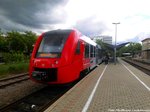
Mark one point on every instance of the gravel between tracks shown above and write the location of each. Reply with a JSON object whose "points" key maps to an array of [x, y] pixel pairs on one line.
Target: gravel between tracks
{"points": [[17, 91]]}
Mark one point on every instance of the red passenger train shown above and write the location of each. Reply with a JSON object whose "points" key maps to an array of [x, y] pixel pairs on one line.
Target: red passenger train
{"points": [[59, 56]]}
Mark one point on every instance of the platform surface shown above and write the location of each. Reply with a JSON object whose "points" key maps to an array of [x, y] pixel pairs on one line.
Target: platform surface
{"points": [[108, 88]]}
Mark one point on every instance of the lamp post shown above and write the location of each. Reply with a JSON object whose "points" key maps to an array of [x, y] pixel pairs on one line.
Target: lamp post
{"points": [[115, 41]]}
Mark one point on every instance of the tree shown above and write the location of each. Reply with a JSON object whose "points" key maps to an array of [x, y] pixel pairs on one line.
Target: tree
{"points": [[29, 39], [132, 48], [99, 42], [3, 43], [15, 42], [105, 47], [14, 45]]}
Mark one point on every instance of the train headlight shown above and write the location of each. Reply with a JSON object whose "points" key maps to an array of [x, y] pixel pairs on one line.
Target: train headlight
{"points": [[56, 62]]}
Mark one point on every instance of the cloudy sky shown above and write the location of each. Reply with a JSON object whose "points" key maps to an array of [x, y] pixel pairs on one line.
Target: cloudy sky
{"points": [[91, 17]]}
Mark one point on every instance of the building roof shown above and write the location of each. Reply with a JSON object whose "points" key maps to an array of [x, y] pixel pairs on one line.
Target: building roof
{"points": [[146, 39], [111, 47]]}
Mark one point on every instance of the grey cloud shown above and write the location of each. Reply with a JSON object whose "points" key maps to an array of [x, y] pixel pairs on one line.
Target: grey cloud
{"points": [[90, 27], [35, 14]]}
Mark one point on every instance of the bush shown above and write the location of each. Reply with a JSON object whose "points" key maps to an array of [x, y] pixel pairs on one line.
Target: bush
{"points": [[18, 68], [15, 68], [13, 57]]}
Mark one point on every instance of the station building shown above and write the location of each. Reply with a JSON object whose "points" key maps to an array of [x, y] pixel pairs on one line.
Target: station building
{"points": [[104, 38], [146, 48], [107, 39]]}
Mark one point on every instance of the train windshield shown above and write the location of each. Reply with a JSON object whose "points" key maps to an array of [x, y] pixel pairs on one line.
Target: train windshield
{"points": [[51, 45]]}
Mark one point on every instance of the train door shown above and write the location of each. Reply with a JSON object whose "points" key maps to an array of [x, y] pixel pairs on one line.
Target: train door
{"points": [[86, 58], [92, 56], [78, 57]]}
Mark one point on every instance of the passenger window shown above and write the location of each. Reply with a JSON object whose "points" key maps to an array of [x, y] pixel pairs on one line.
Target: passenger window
{"points": [[78, 48], [94, 52], [86, 50], [91, 51]]}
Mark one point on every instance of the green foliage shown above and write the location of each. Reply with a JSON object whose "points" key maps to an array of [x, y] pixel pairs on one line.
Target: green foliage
{"points": [[16, 46], [14, 57], [15, 42], [99, 42], [18, 68], [3, 42], [29, 39], [132, 48], [15, 68], [104, 47]]}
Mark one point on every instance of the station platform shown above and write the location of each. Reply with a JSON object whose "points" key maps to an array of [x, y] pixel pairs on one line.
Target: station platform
{"points": [[108, 88]]}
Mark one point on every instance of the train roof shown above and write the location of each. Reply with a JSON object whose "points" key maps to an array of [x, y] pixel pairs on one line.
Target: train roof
{"points": [[59, 31], [68, 31], [88, 40]]}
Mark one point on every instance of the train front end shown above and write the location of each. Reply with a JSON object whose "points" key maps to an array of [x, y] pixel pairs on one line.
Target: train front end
{"points": [[50, 58]]}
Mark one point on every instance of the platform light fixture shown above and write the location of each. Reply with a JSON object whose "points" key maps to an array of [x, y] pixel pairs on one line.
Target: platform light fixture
{"points": [[115, 41]]}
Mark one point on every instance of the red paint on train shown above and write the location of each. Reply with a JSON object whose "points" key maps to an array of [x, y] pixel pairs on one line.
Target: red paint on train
{"points": [[60, 56]]}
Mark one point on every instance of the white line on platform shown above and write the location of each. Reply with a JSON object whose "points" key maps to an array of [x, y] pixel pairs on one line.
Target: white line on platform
{"points": [[136, 77], [86, 106]]}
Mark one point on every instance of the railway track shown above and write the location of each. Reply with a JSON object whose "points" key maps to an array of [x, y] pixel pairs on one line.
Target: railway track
{"points": [[141, 66], [38, 101], [41, 99], [13, 80]]}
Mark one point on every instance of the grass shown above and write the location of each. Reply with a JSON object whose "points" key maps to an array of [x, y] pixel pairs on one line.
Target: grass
{"points": [[13, 68]]}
